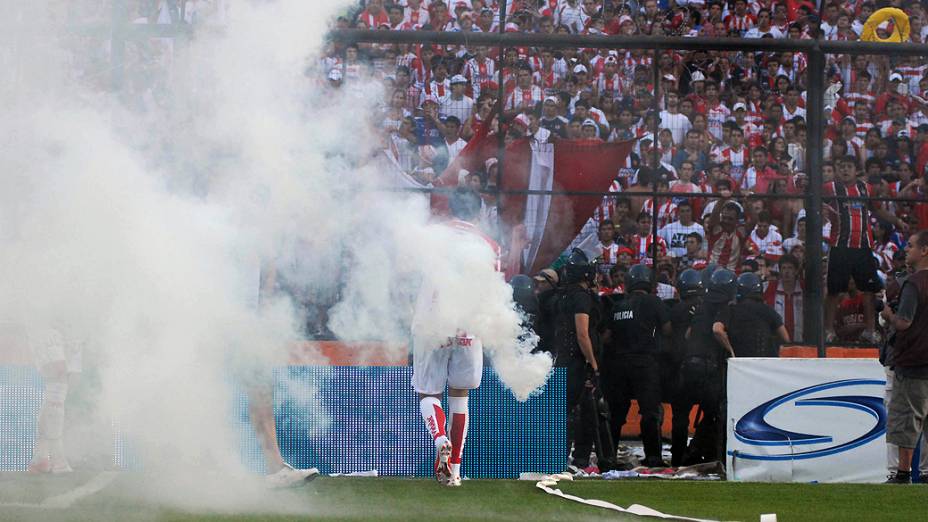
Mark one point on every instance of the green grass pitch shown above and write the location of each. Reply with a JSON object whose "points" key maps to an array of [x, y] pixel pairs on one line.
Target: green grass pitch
{"points": [[132, 497]]}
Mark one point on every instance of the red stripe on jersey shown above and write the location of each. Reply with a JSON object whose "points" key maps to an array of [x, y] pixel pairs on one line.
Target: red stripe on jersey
{"points": [[470, 228]]}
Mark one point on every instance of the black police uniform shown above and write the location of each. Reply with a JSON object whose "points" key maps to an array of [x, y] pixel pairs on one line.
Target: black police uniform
{"points": [[681, 318], [545, 321], [702, 375], [751, 326], [630, 366], [575, 299]]}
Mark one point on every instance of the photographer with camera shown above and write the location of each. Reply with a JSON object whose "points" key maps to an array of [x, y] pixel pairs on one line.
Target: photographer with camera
{"points": [[908, 356]]}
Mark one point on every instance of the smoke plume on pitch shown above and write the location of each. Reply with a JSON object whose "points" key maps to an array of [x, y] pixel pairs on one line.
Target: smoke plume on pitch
{"points": [[143, 230]]}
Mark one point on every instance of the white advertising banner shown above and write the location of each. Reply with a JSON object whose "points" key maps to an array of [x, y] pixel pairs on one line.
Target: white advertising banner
{"points": [[806, 420]]}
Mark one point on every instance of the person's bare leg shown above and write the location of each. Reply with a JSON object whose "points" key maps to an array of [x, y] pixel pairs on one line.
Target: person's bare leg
{"points": [[261, 412]]}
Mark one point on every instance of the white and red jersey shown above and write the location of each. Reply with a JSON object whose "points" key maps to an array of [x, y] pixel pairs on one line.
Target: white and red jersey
{"points": [[771, 244], [666, 213], [606, 208], [862, 129], [479, 74], [474, 231], [733, 22], [715, 117], [739, 160], [524, 98], [726, 248], [610, 87], [641, 244], [549, 79], [866, 98], [466, 234], [609, 254], [437, 89], [415, 17], [884, 254], [374, 21], [787, 305]]}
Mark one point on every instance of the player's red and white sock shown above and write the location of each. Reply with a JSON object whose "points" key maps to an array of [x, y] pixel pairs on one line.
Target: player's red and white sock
{"points": [[459, 421], [434, 417]]}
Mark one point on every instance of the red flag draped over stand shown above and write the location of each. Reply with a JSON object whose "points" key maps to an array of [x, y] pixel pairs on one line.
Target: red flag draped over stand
{"points": [[544, 225], [552, 222]]}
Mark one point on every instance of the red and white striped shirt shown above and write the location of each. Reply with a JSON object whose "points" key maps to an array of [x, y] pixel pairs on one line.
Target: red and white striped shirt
{"points": [[524, 97], [610, 87], [885, 253], [726, 248], [606, 208], [642, 246], [788, 306], [733, 22], [473, 230], [739, 159], [853, 98], [666, 213], [479, 74]]}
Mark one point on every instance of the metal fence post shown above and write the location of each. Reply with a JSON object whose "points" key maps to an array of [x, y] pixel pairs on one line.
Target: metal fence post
{"points": [[501, 136], [655, 210], [814, 305]]}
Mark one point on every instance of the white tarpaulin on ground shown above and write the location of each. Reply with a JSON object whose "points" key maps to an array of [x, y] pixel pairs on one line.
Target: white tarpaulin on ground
{"points": [[806, 420]]}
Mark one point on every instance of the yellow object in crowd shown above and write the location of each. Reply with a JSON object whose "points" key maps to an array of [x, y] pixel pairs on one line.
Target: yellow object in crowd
{"points": [[900, 26]]}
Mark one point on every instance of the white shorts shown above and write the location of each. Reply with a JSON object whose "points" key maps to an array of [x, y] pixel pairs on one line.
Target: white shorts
{"points": [[50, 347], [457, 366]]}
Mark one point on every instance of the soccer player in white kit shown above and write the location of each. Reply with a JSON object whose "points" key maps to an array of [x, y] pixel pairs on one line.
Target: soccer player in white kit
{"points": [[457, 364]]}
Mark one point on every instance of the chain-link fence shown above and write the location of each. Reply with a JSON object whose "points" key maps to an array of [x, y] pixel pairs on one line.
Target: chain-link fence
{"points": [[759, 155]]}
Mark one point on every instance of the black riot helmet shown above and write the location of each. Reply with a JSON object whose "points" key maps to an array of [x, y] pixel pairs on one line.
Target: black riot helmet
{"points": [[722, 286], [638, 278], [523, 292], [749, 285], [578, 268], [689, 283], [707, 273]]}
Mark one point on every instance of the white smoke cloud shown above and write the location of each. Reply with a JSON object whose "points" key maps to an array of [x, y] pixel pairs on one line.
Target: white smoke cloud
{"points": [[143, 231]]}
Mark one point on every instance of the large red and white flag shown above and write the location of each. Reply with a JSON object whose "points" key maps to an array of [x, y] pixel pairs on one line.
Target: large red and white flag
{"points": [[549, 222]]}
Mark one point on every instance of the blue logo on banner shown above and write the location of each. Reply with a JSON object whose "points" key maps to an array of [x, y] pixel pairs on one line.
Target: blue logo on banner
{"points": [[754, 430]]}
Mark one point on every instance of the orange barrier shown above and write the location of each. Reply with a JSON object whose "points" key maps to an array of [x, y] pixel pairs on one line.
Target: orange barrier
{"points": [[799, 352], [337, 353], [841, 352], [632, 426]]}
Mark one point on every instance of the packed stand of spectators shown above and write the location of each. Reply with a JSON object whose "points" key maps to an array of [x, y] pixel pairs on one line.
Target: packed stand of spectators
{"points": [[732, 124]]}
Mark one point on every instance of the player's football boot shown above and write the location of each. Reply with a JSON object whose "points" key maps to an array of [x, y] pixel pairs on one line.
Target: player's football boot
{"points": [[455, 481], [443, 464], [61, 467], [288, 477]]}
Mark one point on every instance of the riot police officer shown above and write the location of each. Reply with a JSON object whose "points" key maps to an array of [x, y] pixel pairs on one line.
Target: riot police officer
{"points": [[691, 288], [546, 294], [703, 369], [749, 326], [577, 343], [630, 360]]}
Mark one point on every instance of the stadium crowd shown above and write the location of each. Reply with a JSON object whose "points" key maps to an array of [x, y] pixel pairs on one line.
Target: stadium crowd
{"points": [[732, 124]]}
